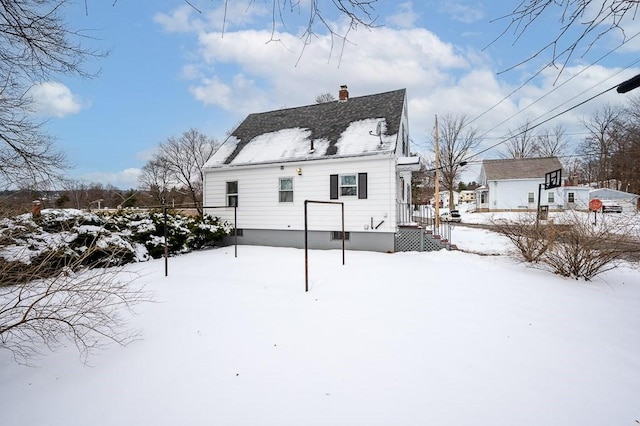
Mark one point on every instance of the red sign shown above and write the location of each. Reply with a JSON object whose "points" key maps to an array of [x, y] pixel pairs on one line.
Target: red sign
{"points": [[595, 204]]}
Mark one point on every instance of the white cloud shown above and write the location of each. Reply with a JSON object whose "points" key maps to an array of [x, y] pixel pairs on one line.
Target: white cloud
{"points": [[180, 20], [243, 72], [404, 17], [462, 12], [54, 99], [124, 179], [225, 17]]}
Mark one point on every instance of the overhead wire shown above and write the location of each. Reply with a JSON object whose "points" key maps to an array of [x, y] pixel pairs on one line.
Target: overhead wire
{"points": [[514, 91], [507, 138], [544, 121]]}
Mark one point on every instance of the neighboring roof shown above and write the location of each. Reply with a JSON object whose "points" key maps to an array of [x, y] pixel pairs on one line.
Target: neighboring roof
{"points": [[336, 129], [520, 168], [611, 194]]}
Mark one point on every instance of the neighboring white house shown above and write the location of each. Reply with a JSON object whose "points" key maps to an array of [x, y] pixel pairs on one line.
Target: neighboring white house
{"points": [[514, 184], [353, 150], [575, 197]]}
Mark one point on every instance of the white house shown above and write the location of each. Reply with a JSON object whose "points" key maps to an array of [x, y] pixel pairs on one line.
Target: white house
{"points": [[514, 184], [353, 151]]}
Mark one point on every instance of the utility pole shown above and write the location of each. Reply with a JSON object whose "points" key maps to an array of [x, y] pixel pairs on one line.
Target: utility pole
{"points": [[437, 182]]}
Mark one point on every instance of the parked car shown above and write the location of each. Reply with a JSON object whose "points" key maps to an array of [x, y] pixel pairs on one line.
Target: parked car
{"points": [[610, 207], [452, 216]]}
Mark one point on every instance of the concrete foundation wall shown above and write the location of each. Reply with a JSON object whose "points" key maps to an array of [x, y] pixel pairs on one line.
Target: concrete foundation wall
{"points": [[369, 241]]}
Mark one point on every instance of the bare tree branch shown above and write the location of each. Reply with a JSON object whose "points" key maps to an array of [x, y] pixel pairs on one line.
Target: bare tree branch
{"points": [[582, 24], [88, 308]]}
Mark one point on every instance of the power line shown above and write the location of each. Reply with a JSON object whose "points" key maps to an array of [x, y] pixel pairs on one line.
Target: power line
{"points": [[554, 89], [544, 121]]}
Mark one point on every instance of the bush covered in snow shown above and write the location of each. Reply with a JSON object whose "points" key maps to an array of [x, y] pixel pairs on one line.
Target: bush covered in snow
{"points": [[58, 237]]}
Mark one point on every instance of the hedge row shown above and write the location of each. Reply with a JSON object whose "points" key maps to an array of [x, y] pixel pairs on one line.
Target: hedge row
{"points": [[62, 237]]}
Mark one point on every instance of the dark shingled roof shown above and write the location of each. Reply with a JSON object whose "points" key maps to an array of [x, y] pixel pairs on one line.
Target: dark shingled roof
{"points": [[520, 168], [325, 121]]}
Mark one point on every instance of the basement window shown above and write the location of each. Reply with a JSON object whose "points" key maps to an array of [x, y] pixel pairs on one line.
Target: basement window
{"points": [[337, 235]]}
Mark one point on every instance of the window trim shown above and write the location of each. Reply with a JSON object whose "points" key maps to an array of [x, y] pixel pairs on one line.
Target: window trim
{"points": [[531, 197], [341, 186], [335, 187], [283, 191], [231, 195]]}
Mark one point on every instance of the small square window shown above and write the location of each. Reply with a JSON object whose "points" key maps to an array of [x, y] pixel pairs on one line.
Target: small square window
{"points": [[285, 190]]}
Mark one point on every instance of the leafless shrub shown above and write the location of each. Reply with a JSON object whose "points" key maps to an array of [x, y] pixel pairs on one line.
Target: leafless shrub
{"points": [[530, 239], [577, 247], [88, 308], [584, 249]]}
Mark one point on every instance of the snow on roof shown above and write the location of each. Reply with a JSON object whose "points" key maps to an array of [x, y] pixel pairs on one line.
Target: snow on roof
{"points": [[333, 129]]}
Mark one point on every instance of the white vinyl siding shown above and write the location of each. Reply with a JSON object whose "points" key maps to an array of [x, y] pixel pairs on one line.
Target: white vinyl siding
{"points": [[261, 209]]}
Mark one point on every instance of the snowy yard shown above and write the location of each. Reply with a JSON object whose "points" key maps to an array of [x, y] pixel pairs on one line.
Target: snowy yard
{"points": [[440, 338]]}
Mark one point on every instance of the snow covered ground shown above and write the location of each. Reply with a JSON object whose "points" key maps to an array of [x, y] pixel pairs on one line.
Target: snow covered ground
{"points": [[440, 338]]}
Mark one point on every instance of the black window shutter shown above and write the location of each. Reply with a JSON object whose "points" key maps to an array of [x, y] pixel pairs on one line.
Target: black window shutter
{"points": [[333, 187], [362, 186]]}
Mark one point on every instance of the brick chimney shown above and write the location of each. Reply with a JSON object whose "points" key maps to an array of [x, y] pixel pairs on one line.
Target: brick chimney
{"points": [[343, 94]]}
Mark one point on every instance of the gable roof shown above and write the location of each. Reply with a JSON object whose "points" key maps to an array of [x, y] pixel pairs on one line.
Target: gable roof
{"points": [[332, 129], [520, 168]]}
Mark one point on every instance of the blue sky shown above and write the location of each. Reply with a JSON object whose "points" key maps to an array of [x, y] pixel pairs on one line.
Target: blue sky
{"points": [[171, 68]]}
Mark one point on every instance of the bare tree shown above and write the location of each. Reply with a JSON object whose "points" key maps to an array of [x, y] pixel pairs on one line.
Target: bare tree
{"points": [[358, 13], [552, 143], [87, 307], [324, 98], [180, 161], [522, 142], [36, 44], [156, 178], [604, 128], [456, 142], [583, 23]]}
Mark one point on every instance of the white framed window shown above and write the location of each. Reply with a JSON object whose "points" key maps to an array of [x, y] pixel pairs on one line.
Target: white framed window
{"points": [[571, 197], [550, 197], [531, 198], [285, 190], [348, 185], [232, 193]]}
